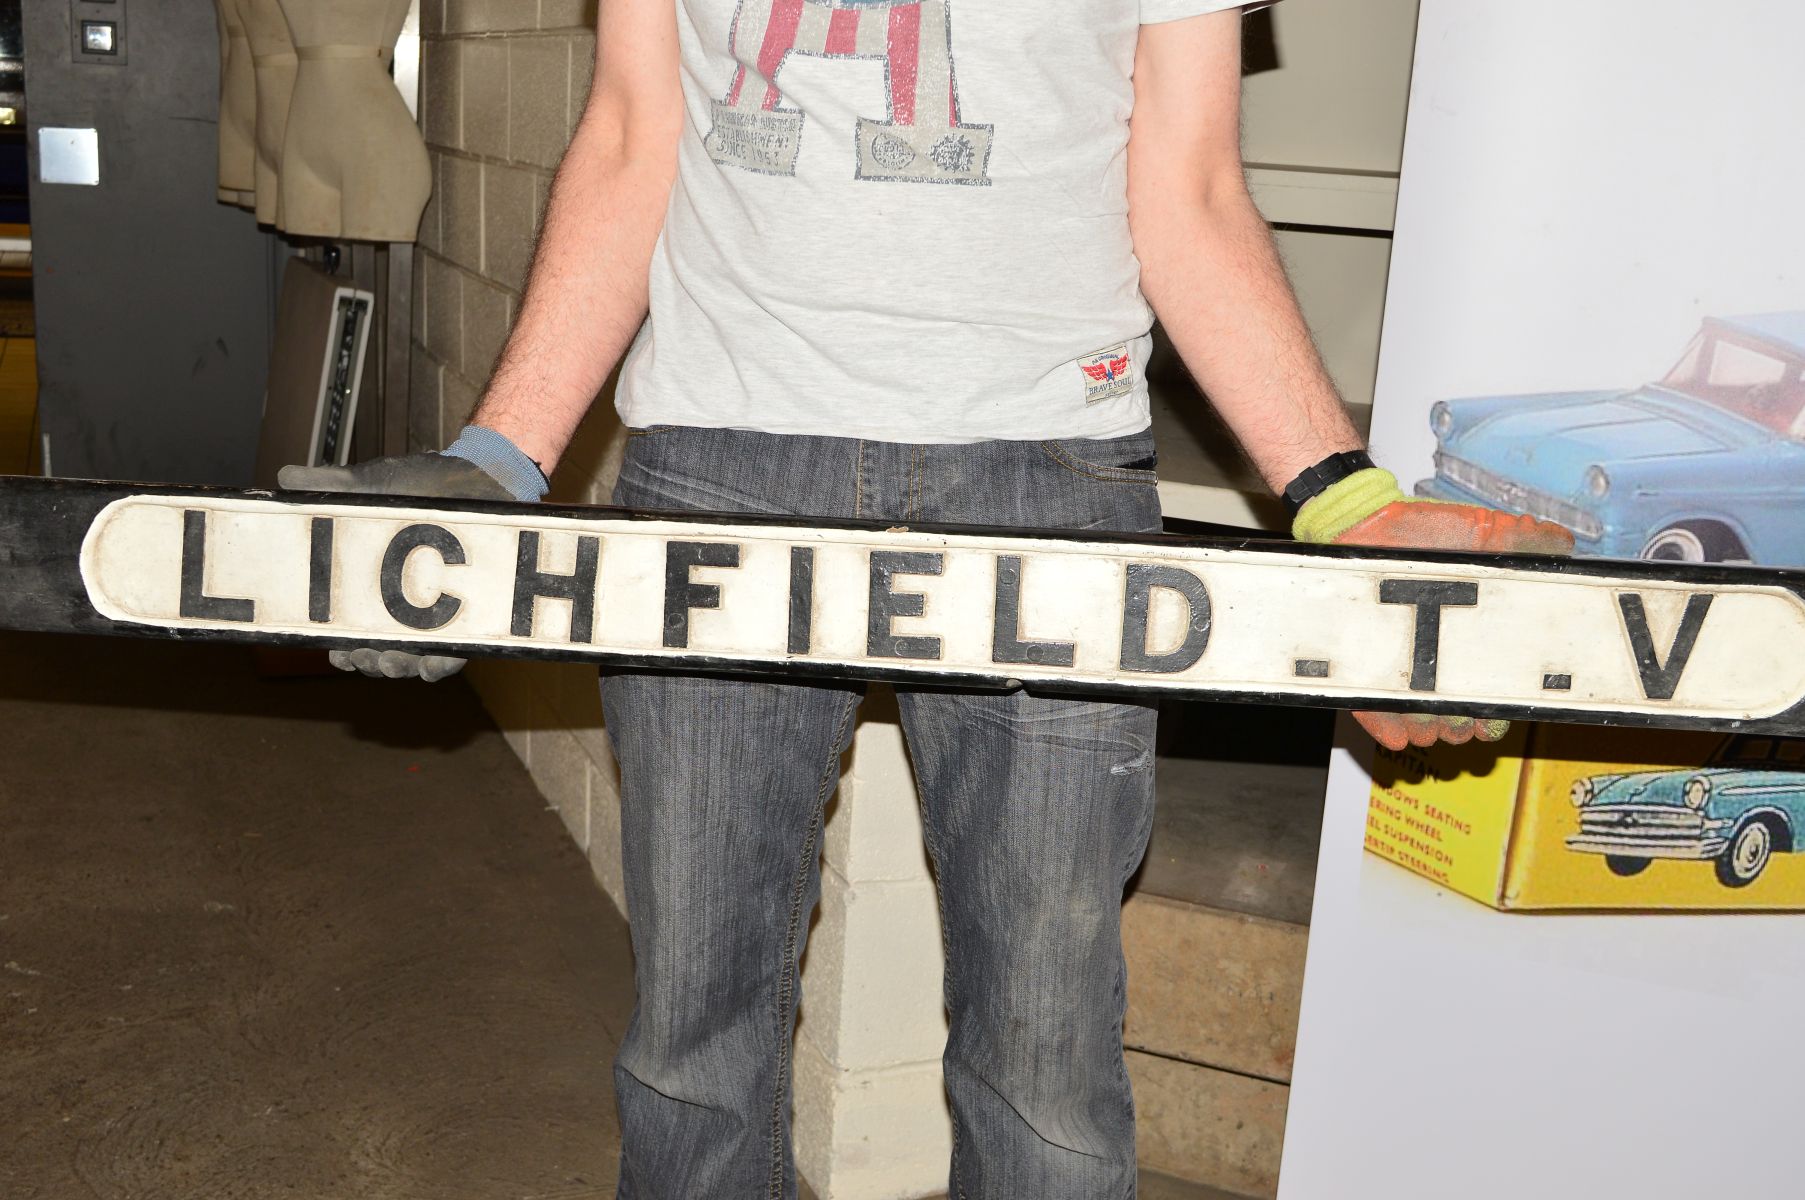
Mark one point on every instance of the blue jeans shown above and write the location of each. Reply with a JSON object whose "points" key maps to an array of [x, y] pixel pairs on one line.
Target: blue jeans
{"points": [[1037, 810]]}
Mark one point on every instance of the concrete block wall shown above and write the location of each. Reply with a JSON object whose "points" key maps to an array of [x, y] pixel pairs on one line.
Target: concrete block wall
{"points": [[871, 1116], [502, 85]]}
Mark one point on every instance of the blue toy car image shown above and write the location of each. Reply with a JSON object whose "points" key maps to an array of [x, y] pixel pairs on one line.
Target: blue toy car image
{"points": [[1746, 805], [1706, 464]]}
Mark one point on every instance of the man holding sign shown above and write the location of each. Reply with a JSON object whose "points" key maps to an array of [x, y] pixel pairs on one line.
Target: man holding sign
{"points": [[851, 282]]}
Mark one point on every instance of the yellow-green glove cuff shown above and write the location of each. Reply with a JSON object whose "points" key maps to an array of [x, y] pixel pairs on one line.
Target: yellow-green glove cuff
{"points": [[1344, 504]]}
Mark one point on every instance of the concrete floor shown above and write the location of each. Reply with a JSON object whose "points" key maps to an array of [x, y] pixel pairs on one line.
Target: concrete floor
{"points": [[291, 938], [288, 938]]}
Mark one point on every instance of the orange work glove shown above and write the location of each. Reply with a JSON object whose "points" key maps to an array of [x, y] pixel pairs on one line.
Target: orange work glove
{"points": [[1368, 509]]}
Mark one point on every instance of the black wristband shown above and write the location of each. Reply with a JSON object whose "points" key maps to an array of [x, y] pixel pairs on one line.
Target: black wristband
{"points": [[1314, 481]]}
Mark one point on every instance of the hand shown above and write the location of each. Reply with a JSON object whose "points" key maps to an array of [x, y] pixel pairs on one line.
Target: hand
{"points": [[1433, 525], [1367, 509], [434, 475]]}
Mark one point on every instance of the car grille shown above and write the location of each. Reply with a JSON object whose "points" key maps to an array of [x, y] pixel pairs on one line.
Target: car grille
{"points": [[1649, 822], [1508, 494]]}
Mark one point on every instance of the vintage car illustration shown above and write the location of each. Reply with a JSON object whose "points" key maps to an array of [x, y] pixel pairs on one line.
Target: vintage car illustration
{"points": [[1744, 806], [1706, 464]]}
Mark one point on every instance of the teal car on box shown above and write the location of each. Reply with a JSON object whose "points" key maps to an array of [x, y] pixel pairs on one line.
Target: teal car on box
{"points": [[1706, 464], [1737, 811]]}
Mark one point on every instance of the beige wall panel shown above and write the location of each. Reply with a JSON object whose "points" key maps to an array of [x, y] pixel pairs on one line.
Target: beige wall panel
{"points": [[1340, 280], [1212, 987], [1338, 97], [1211, 1126]]}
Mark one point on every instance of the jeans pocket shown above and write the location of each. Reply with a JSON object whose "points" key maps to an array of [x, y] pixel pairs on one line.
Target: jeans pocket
{"points": [[1130, 459]]}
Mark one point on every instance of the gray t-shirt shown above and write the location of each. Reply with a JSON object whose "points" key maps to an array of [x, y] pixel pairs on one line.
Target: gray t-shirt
{"points": [[904, 222]]}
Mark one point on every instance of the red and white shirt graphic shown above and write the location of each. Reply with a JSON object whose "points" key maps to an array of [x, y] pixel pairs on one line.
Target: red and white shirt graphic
{"points": [[920, 137]]}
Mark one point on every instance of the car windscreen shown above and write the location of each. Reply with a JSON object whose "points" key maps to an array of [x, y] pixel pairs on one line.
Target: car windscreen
{"points": [[1745, 378]]}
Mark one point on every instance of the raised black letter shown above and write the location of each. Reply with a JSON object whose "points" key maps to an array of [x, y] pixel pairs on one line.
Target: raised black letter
{"points": [[195, 602], [1429, 596], [319, 572], [802, 598], [886, 565], [1137, 609], [1661, 679], [1006, 645], [394, 565], [530, 583], [680, 594]]}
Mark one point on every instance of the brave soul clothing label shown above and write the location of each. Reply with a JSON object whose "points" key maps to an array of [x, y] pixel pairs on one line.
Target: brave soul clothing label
{"points": [[955, 606], [1107, 373], [871, 193]]}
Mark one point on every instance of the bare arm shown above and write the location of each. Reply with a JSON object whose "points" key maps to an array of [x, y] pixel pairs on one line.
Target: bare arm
{"points": [[586, 293], [1208, 266]]}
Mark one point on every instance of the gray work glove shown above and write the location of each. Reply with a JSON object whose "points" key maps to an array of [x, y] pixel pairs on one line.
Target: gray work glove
{"points": [[437, 475]]}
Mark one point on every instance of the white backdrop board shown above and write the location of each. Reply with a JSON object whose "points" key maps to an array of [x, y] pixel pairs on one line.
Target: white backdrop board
{"points": [[1583, 185]]}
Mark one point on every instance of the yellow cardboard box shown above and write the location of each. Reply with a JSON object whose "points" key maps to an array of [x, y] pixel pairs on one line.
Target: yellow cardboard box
{"points": [[1572, 817]]}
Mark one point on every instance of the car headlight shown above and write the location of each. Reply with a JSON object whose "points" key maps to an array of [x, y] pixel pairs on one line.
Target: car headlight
{"points": [[1441, 419], [1698, 790], [1582, 792], [1598, 482]]}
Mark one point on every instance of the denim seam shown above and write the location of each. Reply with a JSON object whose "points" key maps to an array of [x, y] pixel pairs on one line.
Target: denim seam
{"points": [[786, 988], [909, 493], [1120, 996], [1092, 471], [858, 479], [1119, 993], [932, 843], [915, 453]]}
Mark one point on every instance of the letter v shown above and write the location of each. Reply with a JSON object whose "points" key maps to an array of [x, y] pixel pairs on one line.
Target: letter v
{"points": [[1661, 679]]}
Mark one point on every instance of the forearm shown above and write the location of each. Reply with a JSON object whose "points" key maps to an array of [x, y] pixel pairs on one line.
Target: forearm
{"points": [[1212, 274], [585, 295]]}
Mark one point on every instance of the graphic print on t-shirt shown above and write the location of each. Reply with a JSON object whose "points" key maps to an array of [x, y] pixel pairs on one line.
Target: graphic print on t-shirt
{"points": [[923, 141]]}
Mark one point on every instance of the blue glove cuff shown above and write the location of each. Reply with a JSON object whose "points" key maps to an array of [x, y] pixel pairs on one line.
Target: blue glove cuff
{"points": [[502, 459]]}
